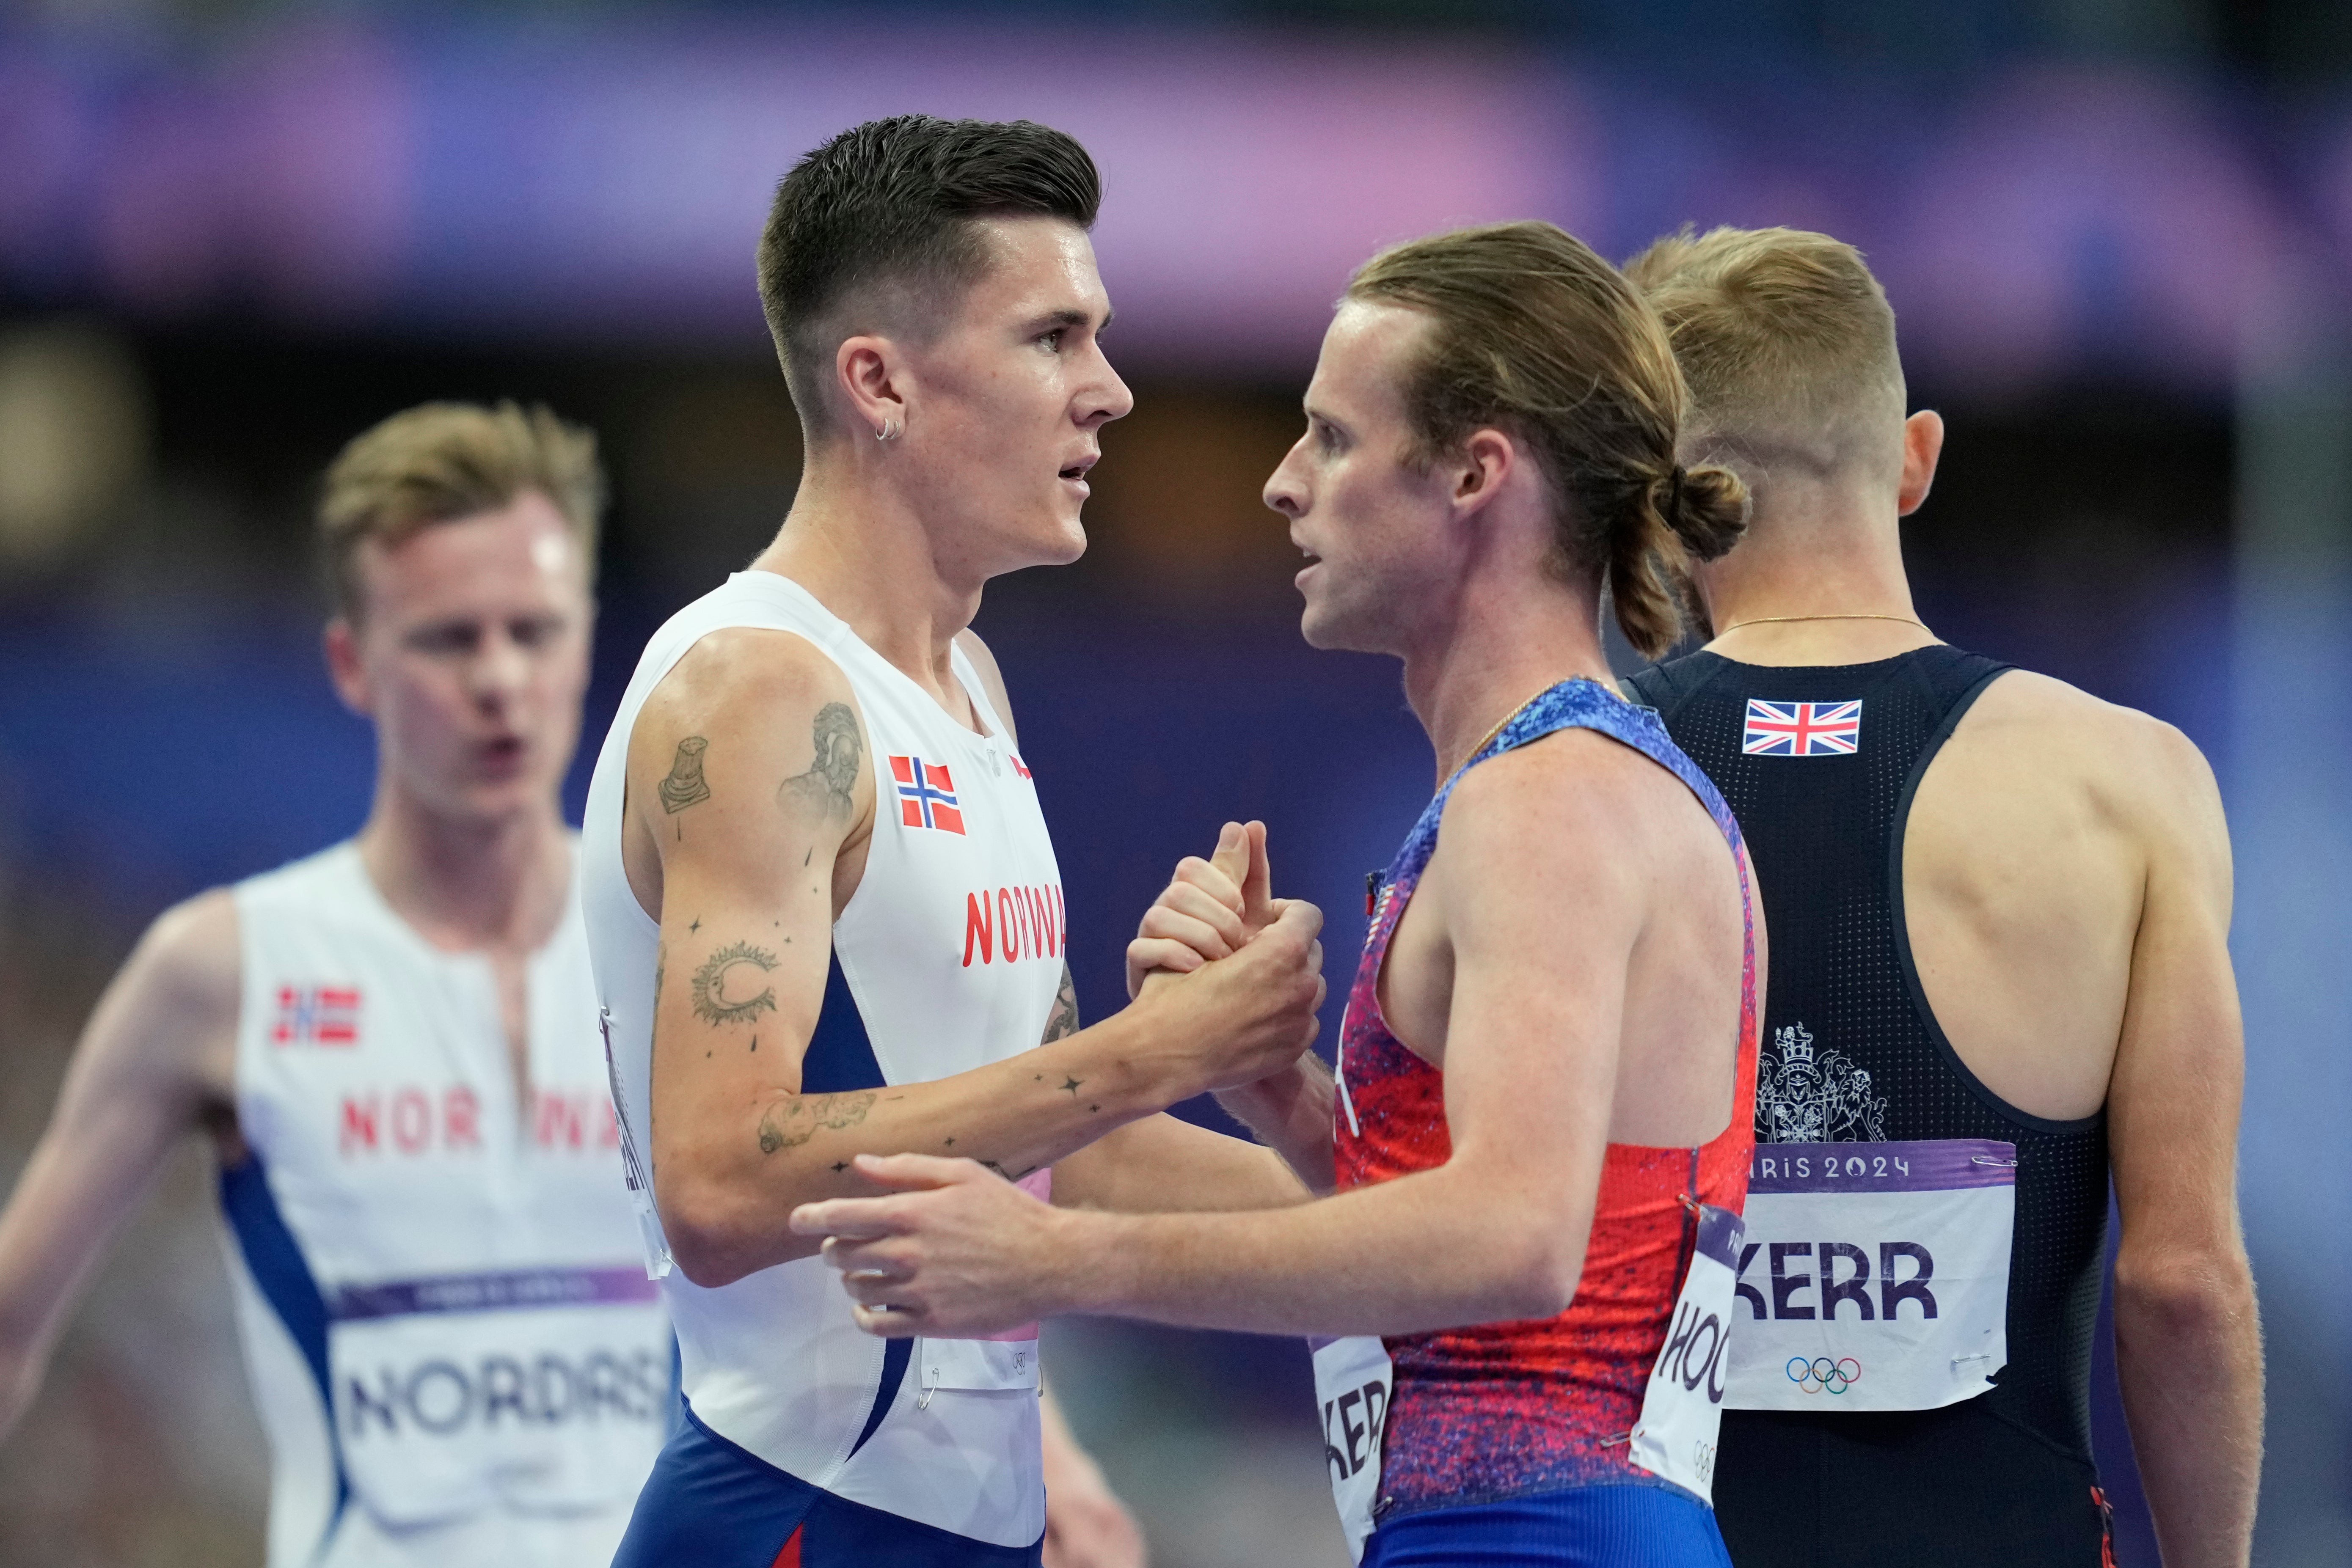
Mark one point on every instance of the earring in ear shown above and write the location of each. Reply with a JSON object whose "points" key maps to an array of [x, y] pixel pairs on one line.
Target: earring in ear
{"points": [[889, 431]]}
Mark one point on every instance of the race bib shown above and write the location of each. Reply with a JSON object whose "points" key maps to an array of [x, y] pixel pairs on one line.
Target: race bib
{"points": [[1876, 1276], [984, 1363], [1353, 1380], [1682, 1409], [462, 1393]]}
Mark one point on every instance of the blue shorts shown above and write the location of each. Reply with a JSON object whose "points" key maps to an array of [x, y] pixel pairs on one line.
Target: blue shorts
{"points": [[711, 1504], [1580, 1527]]}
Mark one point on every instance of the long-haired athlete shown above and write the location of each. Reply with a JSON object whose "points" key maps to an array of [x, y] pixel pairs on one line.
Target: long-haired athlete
{"points": [[1539, 1137]]}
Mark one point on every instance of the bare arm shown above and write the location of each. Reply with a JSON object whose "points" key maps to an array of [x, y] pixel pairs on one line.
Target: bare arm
{"points": [[154, 1059], [2187, 1340], [1541, 938], [1162, 1165], [753, 869], [1086, 1524]]}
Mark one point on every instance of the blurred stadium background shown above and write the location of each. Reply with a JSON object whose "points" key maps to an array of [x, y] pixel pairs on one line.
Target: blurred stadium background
{"points": [[233, 233]]}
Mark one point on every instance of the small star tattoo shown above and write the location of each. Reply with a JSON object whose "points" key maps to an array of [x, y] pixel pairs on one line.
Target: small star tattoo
{"points": [[697, 926], [840, 1166], [1071, 1087]]}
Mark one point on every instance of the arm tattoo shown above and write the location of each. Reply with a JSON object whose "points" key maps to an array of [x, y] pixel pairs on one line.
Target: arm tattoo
{"points": [[829, 787], [795, 1122], [685, 785], [725, 971], [1063, 1021]]}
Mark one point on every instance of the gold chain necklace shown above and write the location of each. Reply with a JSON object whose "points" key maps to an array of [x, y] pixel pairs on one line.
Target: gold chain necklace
{"points": [[1854, 615], [1489, 738]]}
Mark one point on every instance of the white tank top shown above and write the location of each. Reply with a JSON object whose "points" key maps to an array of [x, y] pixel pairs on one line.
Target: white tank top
{"points": [[456, 1357], [947, 958]]}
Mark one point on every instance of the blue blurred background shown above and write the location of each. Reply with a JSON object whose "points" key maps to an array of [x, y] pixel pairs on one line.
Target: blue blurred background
{"points": [[233, 233]]}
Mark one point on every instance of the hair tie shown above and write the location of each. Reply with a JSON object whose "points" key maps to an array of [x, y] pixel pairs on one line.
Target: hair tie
{"points": [[1675, 496]]}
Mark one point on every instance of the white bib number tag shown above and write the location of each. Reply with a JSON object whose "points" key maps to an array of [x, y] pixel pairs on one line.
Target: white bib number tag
{"points": [[1353, 1381], [1876, 1275], [1681, 1410], [445, 1407]]}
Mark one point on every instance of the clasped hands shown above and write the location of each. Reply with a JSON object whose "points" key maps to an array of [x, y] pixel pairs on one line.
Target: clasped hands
{"points": [[952, 1249]]}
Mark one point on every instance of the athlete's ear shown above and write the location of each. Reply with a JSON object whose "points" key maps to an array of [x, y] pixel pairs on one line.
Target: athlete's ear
{"points": [[1923, 445], [1485, 462], [341, 642], [871, 374]]}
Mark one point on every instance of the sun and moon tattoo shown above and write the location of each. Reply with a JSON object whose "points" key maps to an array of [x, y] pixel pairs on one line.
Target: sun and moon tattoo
{"points": [[731, 987]]}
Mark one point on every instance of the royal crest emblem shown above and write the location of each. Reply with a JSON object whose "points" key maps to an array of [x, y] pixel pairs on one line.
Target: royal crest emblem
{"points": [[1804, 1099]]}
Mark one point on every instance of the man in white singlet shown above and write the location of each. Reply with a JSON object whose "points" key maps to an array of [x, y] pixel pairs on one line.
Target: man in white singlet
{"points": [[1535, 1147], [456, 1356], [824, 911], [394, 1045]]}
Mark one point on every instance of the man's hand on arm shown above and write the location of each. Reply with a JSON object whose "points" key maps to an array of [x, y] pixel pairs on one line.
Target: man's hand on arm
{"points": [[2188, 1339], [158, 1052], [748, 771], [1497, 1233]]}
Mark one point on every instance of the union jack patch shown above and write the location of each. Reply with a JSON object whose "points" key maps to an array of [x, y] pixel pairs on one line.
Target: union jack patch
{"points": [[1802, 730], [316, 1015]]}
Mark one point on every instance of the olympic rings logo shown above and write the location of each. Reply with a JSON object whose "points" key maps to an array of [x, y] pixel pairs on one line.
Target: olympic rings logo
{"points": [[1820, 1373]]}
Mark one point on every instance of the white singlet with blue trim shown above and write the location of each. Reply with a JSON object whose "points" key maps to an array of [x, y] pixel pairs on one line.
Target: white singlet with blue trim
{"points": [[948, 957], [458, 1360]]}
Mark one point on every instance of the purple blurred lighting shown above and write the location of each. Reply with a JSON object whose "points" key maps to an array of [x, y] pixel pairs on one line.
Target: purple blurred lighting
{"points": [[611, 180]]}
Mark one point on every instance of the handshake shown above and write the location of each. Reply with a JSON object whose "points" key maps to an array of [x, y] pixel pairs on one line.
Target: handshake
{"points": [[1246, 969], [1225, 981]]}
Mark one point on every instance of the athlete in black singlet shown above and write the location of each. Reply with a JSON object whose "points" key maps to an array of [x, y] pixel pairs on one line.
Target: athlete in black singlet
{"points": [[1998, 911], [1828, 828]]}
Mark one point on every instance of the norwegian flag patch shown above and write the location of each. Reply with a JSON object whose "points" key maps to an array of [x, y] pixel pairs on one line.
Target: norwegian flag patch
{"points": [[316, 1015], [927, 797], [1802, 730]]}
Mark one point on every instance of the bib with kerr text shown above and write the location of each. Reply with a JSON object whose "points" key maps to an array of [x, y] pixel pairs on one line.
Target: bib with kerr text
{"points": [[1875, 1276], [1353, 1381]]}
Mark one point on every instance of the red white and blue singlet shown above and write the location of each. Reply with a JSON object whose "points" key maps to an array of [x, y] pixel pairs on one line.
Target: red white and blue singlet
{"points": [[1508, 1410]]}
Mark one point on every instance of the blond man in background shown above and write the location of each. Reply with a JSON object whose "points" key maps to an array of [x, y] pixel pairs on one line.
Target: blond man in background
{"points": [[1999, 977], [393, 1044]]}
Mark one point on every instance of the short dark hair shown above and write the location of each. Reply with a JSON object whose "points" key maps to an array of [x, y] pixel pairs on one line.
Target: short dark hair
{"points": [[895, 201]]}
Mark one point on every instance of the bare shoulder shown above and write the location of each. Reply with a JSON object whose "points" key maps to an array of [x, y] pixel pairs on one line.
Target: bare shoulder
{"points": [[746, 702], [192, 958], [990, 678], [745, 677], [1558, 809], [171, 1014], [2140, 768]]}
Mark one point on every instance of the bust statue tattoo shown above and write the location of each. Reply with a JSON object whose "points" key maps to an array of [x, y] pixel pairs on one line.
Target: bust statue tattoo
{"points": [[829, 787]]}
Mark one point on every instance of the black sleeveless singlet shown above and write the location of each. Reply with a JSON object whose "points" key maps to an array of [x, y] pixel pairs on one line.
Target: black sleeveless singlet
{"points": [[2007, 1477]]}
